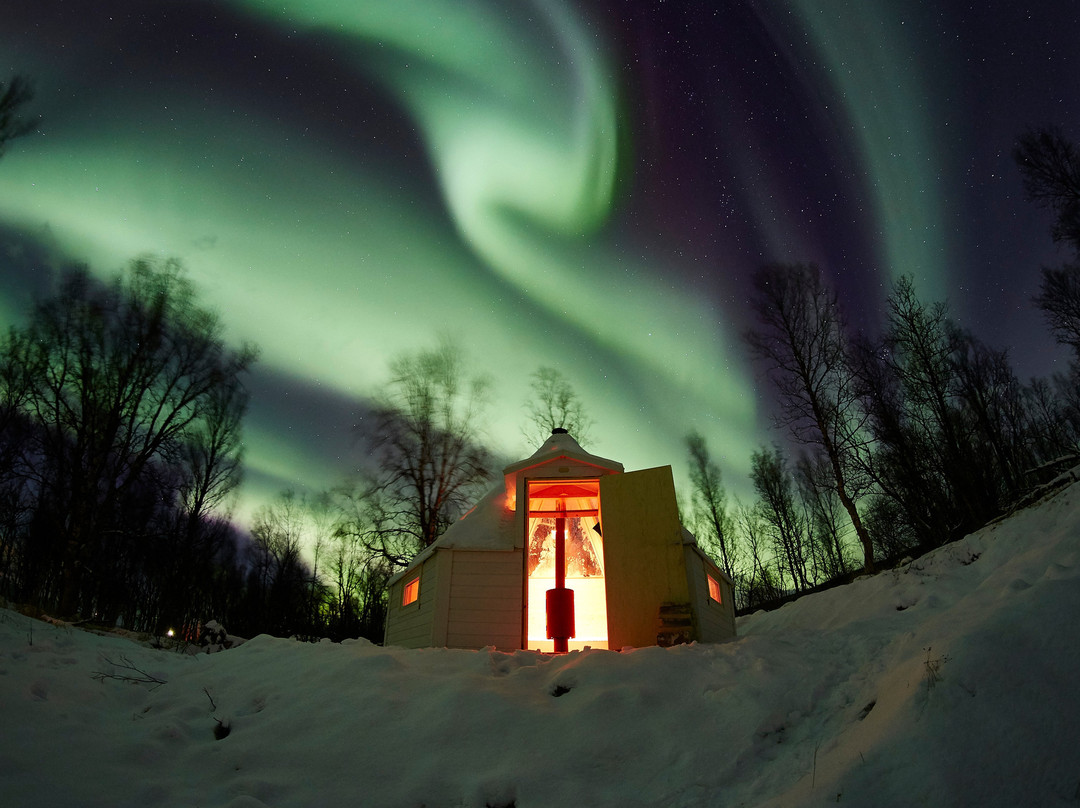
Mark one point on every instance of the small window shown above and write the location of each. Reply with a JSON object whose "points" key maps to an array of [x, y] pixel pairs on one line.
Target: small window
{"points": [[714, 589], [412, 591]]}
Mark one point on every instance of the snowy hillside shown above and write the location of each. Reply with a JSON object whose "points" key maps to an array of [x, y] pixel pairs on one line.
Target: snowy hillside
{"points": [[950, 682]]}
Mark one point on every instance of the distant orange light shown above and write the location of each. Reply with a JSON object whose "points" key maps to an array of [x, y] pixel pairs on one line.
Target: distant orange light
{"points": [[714, 588], [412, 591]]}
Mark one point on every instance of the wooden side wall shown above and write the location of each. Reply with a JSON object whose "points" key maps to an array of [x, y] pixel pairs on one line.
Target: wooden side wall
{"points": [[486, 599], [714, 622], [412, 626]]}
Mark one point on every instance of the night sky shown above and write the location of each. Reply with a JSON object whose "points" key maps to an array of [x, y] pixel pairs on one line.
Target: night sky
{"points": [[582, 185]]}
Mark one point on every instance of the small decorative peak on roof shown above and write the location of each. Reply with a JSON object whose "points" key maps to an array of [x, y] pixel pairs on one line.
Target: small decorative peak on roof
{"points": [[561, 444]]}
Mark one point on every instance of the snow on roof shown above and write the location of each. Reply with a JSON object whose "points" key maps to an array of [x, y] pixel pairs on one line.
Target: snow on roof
{"points": [[488, 525]]}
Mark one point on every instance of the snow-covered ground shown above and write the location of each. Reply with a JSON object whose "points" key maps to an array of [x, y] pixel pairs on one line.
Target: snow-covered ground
{"points": [[953, 681]]}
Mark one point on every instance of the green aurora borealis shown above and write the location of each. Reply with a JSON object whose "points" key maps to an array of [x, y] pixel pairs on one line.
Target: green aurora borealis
{"points": [[587, 186]]}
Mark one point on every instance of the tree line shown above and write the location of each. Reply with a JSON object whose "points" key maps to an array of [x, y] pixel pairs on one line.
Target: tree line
{"points": [[120, 414], [900, 442], [121, 445]]}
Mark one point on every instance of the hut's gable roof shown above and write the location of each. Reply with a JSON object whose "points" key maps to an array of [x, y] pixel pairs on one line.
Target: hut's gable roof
{"points": [[560, 445]]}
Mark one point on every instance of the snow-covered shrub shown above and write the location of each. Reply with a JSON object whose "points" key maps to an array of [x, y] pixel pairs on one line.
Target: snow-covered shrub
{"points": [[213, 637]]}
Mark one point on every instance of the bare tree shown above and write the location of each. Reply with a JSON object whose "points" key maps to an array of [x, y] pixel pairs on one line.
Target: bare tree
{"points": [[346, 564], [124, 375], [1050, 164], [803, 341], [1059, 300], [15, 375], [14, 96], [994, 417], [709, 502], [1052, 410], [554, 404], [279, 532], [778, 510], [902, 464], [425, 439], [756, 585], [824, 513], [920, 356], [209, 465], [16, 384], [893, 531], [213, 452]]}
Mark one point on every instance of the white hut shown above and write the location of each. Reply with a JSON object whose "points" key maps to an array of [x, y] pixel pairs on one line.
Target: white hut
{"points": [[568, 552]]}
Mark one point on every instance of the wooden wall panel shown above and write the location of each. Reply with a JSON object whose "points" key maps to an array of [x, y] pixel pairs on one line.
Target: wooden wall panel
{"points": [[644, 565], [411, 626], [486, 600]]}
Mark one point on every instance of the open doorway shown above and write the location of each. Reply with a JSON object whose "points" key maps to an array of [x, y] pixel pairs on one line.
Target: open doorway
{"points": [[562, 527]]}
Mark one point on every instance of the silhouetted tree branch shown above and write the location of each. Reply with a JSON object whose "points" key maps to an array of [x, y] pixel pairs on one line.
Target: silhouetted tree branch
{"points": [[14, 96], [424, 438], [1050, 164], [710, 502], [124, 379], [778, 512], [555, 404], [802, 339], [1059, 300]]}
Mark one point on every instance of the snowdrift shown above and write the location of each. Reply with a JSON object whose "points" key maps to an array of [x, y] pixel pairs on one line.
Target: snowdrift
{"points": [[950, 681]]}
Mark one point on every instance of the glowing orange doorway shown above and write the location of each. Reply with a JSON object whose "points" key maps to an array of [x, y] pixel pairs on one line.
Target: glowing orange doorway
{"points": [[569, 508]]}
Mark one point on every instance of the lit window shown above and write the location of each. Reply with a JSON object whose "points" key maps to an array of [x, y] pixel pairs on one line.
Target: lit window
{"points": [[714, 588], [412, 591]]}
